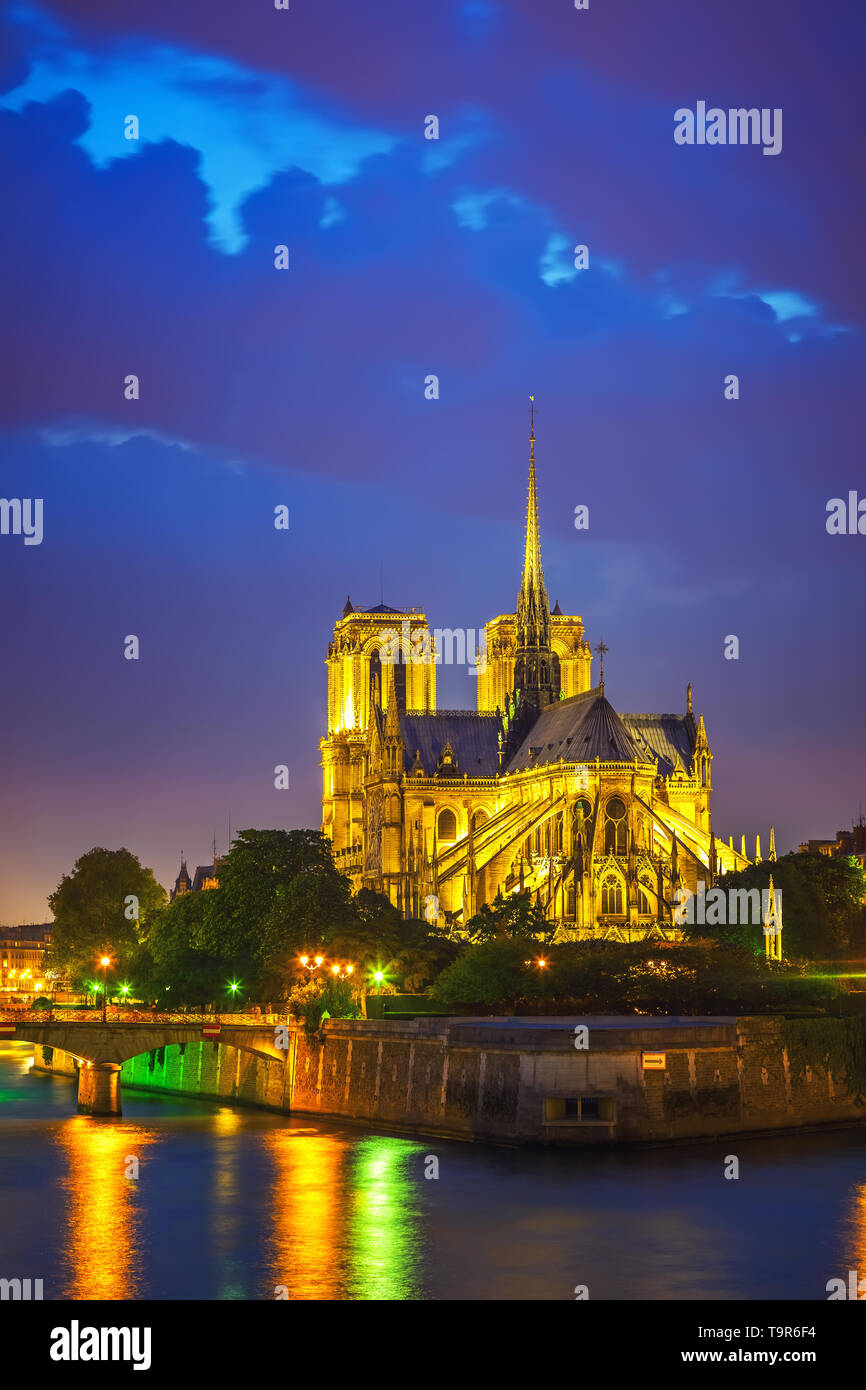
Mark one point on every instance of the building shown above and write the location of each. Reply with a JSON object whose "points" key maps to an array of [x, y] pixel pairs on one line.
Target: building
{"points": [[850, 843], [545, 788], [22, 959], [206, 876]]}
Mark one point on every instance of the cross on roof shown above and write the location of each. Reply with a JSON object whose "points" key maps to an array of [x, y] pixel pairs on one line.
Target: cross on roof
{"points": [[601, 649]]}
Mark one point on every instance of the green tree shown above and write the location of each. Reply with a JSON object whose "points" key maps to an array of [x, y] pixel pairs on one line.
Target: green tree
{"points": [[515, 916], [600, 977], [822, 906], [279, 895], [92, 907], [178, 957]]}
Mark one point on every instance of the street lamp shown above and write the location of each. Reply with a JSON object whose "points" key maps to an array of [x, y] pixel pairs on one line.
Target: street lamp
{"points": [[105, 961], [311, 965], [341, 972]]}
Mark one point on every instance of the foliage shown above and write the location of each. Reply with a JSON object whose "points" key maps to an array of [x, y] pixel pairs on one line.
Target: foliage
{"points": [[608, 978], [834, 1044], [176, 956], [515, 916], [89, 907], [822, 906], [278, 889], [313, 1000]]}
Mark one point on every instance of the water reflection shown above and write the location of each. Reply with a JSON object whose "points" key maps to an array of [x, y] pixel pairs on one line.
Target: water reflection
{"points": [[346, 1216], [308, 1196], [384, 1219], [103, 1218], [228, 1201]]}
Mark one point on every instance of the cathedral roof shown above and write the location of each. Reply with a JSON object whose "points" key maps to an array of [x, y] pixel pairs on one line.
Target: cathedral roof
{"points": [[667, 736], [474, 740], [203, 871], [578, 730], [586, 727]]}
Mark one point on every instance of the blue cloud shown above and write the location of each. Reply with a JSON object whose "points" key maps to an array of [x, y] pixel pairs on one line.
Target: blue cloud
{"points": [[245, 127]]}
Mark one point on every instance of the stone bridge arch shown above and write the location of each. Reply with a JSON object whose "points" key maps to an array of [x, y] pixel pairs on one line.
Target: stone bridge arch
{"points": [[101, 1050]]}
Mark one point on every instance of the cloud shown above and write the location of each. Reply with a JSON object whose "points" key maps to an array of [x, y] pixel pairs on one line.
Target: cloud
{"points": [[553, 269], [245, 126]]}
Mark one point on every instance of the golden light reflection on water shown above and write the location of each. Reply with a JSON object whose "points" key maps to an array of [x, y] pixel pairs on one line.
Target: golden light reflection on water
{"points": [[346, 1216], [856, 1233], [227, 1204], [308, 1200], [102, 1242]]}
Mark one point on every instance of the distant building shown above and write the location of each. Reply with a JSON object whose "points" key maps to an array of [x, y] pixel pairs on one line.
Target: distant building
{"points": [[851, 843], [22, 958], [206, 876]]}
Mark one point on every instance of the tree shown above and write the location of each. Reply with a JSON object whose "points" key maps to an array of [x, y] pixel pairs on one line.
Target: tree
{"points": [[515, 916], [494, 975], [370, 934], [601, 977], [104, 906], [279, 894], [177, 956], [822, 906]]}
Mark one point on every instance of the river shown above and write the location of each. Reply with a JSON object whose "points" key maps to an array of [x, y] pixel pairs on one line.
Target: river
{"points": [[188, 1199]]}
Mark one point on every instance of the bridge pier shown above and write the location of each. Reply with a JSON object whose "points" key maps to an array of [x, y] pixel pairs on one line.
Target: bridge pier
{"points": [[99, 1089]]}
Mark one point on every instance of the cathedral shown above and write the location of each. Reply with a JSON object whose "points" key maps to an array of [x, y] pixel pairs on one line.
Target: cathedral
{"points": [[545, 789]]}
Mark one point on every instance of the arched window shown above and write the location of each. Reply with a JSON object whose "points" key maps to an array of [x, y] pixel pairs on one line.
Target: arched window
{"points": [[703, 772], [446, 827], [580, 816], [644, 905], [479, 819], [611, 896], [614, 827]]}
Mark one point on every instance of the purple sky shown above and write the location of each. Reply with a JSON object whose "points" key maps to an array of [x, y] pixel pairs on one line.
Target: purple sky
{"points": [[306, 387]]}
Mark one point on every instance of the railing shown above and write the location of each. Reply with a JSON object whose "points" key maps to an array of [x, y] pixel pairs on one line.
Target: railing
{"points": [[61, 1015]]}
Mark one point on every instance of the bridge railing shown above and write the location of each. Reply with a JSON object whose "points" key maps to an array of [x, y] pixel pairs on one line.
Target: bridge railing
{"points": [[61, 1015]]}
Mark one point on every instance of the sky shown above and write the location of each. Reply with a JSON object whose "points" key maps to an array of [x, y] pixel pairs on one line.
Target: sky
{"points": [[305, 388]]}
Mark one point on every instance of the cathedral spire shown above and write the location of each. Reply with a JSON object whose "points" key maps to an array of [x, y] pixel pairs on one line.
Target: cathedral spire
{"points": [[536, 672], [533, 594]]}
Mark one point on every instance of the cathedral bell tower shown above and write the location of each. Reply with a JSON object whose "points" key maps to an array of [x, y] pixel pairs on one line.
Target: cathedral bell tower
{"points": [[536, 668]]}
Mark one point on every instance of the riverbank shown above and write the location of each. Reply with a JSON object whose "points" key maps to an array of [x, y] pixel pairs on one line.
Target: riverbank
{"points": [[554, 1081]]}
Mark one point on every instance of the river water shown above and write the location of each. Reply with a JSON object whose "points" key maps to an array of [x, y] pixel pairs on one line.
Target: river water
{"points": [[240, 1204]]}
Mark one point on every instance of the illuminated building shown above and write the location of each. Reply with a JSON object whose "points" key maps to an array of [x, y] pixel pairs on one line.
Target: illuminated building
{"points": [[206, 876], [22, 958], [546, 789]]}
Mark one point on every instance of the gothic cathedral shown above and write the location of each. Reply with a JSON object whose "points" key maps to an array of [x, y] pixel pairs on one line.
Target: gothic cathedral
{"points": [[546, 789]]}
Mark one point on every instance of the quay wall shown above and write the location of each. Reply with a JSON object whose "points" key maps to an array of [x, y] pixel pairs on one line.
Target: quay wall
{"points": [[504, 1081]]}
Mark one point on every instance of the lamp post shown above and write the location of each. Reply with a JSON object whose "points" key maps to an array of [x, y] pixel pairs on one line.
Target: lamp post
{"points": [[311, 965], [105, 961]]}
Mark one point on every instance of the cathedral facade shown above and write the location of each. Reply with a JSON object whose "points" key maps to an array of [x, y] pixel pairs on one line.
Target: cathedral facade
{"points": [[544, 789]]}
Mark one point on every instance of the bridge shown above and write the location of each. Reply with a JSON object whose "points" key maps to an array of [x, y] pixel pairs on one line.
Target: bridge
{"points": [[101, 1048]]}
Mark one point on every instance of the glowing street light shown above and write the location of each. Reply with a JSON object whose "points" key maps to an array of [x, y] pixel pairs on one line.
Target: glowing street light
{"points": [[105, 962], [311, 965]]}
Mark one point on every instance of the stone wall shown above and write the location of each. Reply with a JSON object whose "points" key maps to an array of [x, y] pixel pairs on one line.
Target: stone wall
{"points": [[506, 1081]]}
